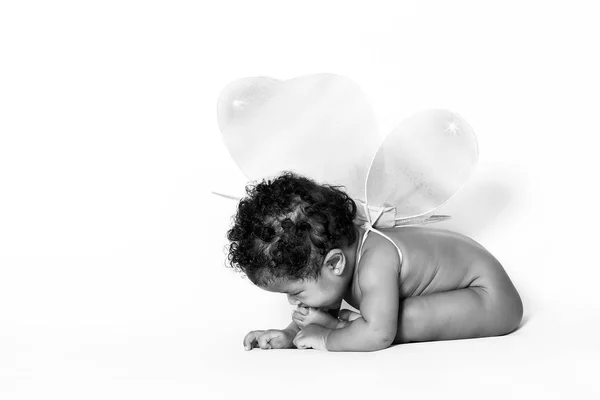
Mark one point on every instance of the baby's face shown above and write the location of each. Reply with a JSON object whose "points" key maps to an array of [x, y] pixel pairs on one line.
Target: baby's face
{"points": [[325, 292]]}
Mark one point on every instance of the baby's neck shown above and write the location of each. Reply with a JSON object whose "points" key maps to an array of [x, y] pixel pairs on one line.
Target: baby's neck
{"points": [[351, 253]]}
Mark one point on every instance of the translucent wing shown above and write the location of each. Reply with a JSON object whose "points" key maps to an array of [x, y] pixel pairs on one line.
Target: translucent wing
{"points": [[320, 126], [421, 164]]}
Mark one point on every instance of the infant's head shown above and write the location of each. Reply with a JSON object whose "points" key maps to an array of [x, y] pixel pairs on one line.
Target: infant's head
{"points": [[287, 237]]}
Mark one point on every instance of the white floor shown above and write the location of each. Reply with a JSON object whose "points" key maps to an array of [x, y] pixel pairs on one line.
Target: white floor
{"points": [[112, 276]]}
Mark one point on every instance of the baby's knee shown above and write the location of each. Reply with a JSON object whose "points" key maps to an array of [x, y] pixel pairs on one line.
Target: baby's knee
{"points": [[504, 304]]}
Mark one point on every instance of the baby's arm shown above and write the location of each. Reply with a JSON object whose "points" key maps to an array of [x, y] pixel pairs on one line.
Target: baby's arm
{"points": [[376, 327]]}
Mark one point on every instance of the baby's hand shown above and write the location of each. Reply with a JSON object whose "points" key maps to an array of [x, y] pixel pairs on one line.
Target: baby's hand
{"points": [[270, 339], [304, 316], [313, 337]]}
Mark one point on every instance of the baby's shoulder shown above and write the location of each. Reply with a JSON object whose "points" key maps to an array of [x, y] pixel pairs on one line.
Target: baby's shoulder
{"points": [[378, 253], [378, 263], [377, 246]]}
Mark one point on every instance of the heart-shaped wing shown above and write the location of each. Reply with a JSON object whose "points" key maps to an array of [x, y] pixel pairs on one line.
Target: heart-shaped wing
{"points": [[320, 126], [421, 164]]}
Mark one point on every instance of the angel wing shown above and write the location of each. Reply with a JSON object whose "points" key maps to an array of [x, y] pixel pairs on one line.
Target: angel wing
{"points": [[420, 165], [322, 126]]}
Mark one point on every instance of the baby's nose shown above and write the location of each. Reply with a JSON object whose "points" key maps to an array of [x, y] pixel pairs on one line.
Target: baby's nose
{"points": [[292, 300]]}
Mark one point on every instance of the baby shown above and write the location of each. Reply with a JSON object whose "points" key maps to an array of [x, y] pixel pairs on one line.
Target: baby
{"points": [[294, 236]]}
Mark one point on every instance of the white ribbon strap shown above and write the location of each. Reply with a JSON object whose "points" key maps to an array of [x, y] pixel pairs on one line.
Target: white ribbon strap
{"points": [[368, 227], [385, 217]]}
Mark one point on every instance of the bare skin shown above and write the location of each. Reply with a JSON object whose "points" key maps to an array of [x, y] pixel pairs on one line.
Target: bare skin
{"points": [[447, 287]]}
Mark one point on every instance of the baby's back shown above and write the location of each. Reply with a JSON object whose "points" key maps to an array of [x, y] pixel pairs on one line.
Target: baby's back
{"points": [[436, 260]]}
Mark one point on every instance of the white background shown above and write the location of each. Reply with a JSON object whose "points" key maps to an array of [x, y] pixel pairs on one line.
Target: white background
{"points": [[112, 276]]}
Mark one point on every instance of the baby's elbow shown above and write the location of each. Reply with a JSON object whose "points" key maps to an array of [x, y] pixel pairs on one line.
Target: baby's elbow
{"points": [[382, 339], [376, 344], [386, 341]]}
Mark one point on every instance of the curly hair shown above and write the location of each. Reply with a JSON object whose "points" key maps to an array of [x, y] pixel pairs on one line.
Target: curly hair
{"points": [[284, 228]]}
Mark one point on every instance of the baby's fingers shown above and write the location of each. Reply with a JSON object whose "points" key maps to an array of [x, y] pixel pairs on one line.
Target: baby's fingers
{"points": [[263, 341], [313, 311], [250, 339], [298, 316], [298, 321], [302, 310], [298, 342]]}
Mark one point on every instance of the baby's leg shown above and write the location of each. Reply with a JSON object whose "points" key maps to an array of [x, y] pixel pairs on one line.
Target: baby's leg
{"points": [[489, 307]]}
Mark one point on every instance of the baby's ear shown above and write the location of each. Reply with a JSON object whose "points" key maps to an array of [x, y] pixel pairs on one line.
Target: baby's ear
{"points": [[335, 261]]}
